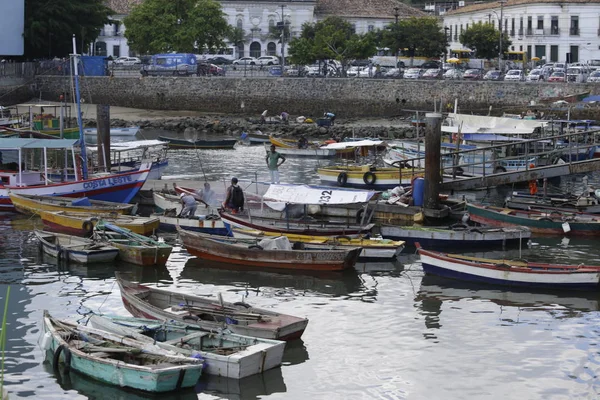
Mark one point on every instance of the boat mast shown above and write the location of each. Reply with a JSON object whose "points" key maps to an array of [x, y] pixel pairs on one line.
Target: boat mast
{"points": [[79, 119]]}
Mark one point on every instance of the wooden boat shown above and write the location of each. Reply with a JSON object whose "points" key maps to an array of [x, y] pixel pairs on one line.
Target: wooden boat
{"points": [[372, 247], [210, 224], [134, 248], [252, 138], [456, 237], [510, 273], [367, 176], [553, 222], [75, 249], [225, 354], [118, 360], [30, 204], [175, 143], [315, 152], [572, 204], [166, 201], [293, 226], [83, 225], [275, 252], [239, 318]]}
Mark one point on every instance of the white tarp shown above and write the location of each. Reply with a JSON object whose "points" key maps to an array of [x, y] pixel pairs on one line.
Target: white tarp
{"points": [[358, 143], [304, 194], [276, 243], [503, 123]]}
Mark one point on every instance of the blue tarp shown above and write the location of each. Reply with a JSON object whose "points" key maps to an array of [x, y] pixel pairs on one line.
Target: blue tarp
{"points": [[591, 98], [94, 65]]}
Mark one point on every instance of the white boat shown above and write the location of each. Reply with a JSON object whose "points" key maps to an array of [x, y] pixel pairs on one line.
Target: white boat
{"points": [[225, 354], [129, 131], [75, 249], [318, 152], [129, 155], [210, 224], [166, 201]]}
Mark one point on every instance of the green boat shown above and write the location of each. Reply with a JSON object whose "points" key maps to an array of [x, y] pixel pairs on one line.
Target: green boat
{"points": [[118, 360], [552, 222]]}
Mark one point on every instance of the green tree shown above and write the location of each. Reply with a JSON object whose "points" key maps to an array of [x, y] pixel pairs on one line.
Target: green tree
{"points": [[236, 36], [158, 26], [50, 25], [331, 39], [418, 37], [484, 40]]}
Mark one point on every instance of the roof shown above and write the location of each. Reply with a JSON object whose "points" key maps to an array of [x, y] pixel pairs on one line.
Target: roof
{"points": [[18, 143], [366, 9], [495, 5], [122, 6]]}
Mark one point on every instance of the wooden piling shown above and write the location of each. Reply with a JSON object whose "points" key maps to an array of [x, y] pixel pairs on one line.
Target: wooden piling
{"points": [[103, 135], [433, 140]]}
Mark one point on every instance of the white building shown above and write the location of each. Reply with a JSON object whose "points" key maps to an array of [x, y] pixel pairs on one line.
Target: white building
{"points": [[112, 41], [548, 29]]}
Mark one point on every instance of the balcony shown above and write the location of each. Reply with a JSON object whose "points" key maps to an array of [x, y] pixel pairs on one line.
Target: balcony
{"points": [[512, 32], [542, 32], [574, 31], [520, 32], [554, 31]]}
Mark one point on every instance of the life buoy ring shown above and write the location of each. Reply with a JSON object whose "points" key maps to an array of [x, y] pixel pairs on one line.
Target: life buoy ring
{"points": [[56, 358], [342, 179], [88, 228], [369, 178]]}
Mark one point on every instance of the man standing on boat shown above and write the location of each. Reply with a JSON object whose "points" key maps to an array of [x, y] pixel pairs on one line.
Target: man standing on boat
{"points": [[273, 163], [207, 195], [234, 199]]}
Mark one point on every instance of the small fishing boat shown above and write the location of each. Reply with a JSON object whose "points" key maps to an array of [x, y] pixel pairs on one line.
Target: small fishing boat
{"points": [[134, 248], [275, 252], [83, 225], [584, 204], [210, 224], [175, 143], [546, 222], [510, 273], [252, 138], [31, 204], [167, 201], [116, 359], [239, 318], [457, 236], [127, 131], [372, 247], [368, 177], [75, 249], [314, 152], [225, 354]]}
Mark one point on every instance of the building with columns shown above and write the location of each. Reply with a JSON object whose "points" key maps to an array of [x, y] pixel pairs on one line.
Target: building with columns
{"points": [[552, 30]]}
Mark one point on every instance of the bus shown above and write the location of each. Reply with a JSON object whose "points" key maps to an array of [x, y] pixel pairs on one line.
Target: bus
{"points": [[229, 52], [464, 55], [516, 59], [386, 58]]}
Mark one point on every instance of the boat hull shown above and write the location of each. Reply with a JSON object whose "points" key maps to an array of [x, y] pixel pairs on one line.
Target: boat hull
{"points": [[199, 144], [212, 227], [69, 252], [82, 225], [363, 178], [142, 255], [31, 205]]}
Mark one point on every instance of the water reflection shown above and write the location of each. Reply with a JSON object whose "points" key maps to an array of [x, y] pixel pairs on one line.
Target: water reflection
{"points": [[251, 387], [300, 283], [145, 274]]}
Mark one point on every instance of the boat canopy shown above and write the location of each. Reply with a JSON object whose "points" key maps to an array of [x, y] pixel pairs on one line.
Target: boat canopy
{"points": [[21, 143], [509, 125], [493, 131], [305, 194], [358, 143], [132, 145], [476, 137]]}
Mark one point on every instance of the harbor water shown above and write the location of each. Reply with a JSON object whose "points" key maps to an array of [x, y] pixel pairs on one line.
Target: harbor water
{"points": [[382, 330]]}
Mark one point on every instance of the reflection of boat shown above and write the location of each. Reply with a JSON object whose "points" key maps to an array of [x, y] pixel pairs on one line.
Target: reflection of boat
{"points": [[241, 318], [117, 360], [507, 272], [446, 289], [144, 274], [221, 274], [251, 387]]}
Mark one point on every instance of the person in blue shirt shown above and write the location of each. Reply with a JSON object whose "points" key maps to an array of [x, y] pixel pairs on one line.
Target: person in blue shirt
{"points": [[330, 116]]}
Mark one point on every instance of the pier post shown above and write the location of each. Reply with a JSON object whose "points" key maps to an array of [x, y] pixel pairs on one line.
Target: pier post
{"points": [[433, 140], [103, 135]]}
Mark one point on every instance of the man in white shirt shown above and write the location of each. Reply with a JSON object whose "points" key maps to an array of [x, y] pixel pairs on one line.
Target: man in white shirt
{"points": [[189, 205], [207, 195]]}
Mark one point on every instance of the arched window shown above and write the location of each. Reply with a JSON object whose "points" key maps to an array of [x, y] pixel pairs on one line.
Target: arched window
{"points": [[101, 49], [271, 49], [271, 22], [255, 50], [240, 23]]}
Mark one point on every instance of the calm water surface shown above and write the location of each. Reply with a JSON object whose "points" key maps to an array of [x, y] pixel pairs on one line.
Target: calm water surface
{"points": [[380, 331]]}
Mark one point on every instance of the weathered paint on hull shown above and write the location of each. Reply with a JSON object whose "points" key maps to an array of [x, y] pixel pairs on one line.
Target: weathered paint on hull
{"points": [[144, 256]]}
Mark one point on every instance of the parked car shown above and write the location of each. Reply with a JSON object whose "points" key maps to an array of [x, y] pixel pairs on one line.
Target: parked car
{"points": [[514, 75], [368, 72], [206, 69], [493, 75], [453, 73], [433, 73], [473, 74], [394, 73], [127, 61], [219, 61], [353, 71], [414, 73], [245, 61], [267, 60], [431, 65], [296, 70], [558, 76], [594, 76], [535, 75]]}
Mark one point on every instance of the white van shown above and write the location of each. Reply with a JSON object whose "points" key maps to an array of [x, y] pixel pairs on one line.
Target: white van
{"points": [[577, 74], [514, 75]]}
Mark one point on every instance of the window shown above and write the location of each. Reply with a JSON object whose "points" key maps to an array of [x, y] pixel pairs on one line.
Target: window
{"points": [[540, 51], [554, 53], [461, 30], [450, 33], [370, 28], [574, 25], [255, 49], [271, 49], [529, 23], [271, 22], [512, 27], [505, 25], [554, 25], [520, 48], [574, 54], [466, 26], [540, 22], [116, 50], [455, 32], [529, 52], [240, 23], [521, 27]]}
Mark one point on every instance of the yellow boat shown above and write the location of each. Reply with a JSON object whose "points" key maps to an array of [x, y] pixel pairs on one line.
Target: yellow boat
{"points": [[371, 247], [368, 177], [31, 204], [83, 224], [293, 144]]}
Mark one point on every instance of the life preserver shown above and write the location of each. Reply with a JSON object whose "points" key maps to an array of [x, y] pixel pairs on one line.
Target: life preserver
{"points": [[533, 187], [342, 179], [88, 228], [369, 178], [56, 358]]}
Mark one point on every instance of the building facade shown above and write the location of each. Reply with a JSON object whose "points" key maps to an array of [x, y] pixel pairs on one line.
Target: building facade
{"points": [[552, 30]]}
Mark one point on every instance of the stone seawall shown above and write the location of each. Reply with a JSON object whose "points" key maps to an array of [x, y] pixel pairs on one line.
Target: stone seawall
{"points": [[304, 96], [15, 91]]}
